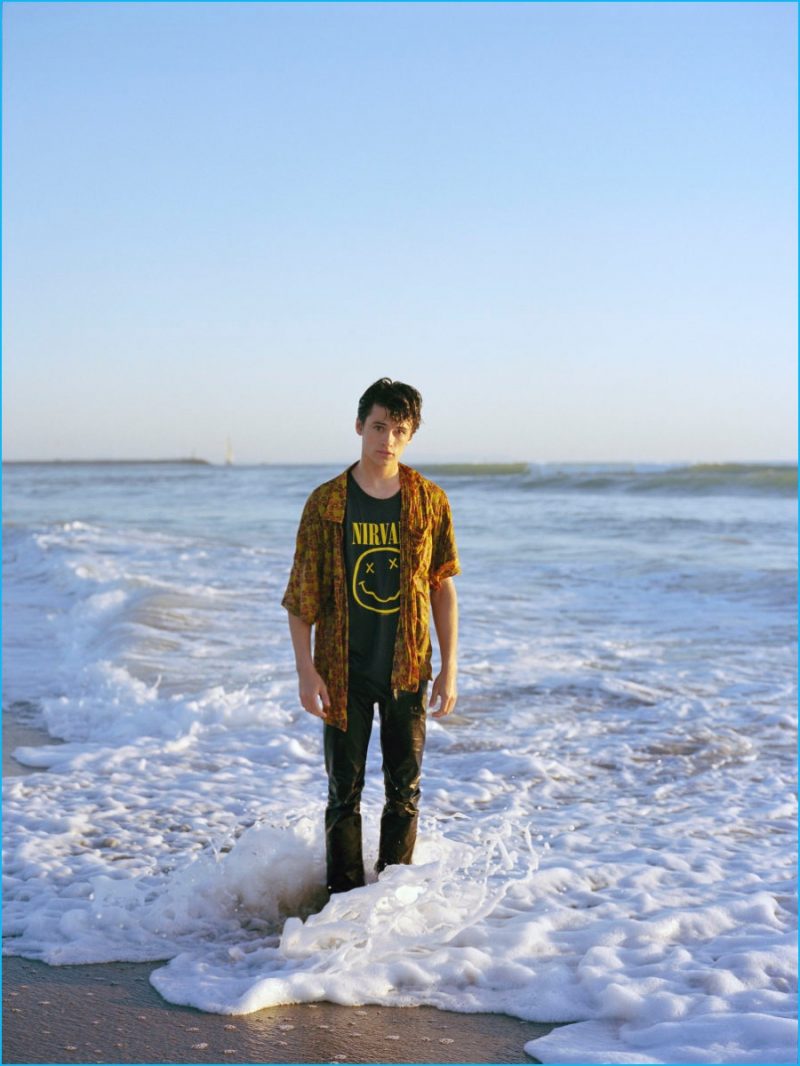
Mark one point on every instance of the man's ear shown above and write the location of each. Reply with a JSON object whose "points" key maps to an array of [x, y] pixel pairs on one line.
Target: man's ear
{"points": [[359, 427]]}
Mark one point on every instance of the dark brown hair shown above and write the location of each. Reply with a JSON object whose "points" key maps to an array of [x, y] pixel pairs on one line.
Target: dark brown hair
{"points": [[403, 402]]}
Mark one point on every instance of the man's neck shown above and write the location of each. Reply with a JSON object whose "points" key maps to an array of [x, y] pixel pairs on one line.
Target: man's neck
{"points": [[377, 481]]}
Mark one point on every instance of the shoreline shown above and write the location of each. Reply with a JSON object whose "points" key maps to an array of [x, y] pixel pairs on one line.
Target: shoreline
{"points": [[110, 1013]]}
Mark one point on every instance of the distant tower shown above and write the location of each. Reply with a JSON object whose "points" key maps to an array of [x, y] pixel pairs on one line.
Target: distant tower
{"points": [[228, 452]]}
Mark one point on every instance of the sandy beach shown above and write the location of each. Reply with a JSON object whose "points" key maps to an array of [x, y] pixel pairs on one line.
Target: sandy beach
{"points": [[110, 1013]]}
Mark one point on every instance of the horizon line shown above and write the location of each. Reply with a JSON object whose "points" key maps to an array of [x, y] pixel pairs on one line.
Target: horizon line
{"points": [[195, 461]]}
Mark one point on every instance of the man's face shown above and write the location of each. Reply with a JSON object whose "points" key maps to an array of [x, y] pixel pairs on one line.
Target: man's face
{"points": [[383, 440]]}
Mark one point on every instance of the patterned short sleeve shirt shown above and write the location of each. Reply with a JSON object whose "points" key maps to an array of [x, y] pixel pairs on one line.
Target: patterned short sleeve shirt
{"points": [[317, 588]]}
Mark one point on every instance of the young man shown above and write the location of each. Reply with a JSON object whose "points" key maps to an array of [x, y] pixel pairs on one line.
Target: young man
{"points": [[375, 550]]}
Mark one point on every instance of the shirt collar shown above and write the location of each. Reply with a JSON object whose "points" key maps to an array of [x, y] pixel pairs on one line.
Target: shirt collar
{"points": [[337, 501]]}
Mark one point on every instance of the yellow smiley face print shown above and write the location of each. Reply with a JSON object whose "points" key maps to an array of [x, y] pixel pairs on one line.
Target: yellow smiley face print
{"points": [[376, 570]]}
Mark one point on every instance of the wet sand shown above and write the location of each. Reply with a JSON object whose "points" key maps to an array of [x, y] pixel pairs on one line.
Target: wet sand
{"points": [[110, 1013]]}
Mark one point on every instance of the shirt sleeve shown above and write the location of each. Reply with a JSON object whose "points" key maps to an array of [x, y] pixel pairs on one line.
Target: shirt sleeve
{"points": [[444, 556], [302, 596]]}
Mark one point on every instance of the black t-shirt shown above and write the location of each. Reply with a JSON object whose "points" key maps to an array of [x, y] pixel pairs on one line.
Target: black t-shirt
{"points": [[372, 562]]}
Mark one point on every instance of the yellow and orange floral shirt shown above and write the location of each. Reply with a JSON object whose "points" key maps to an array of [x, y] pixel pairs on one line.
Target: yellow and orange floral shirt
{"points": [[317, 589]]}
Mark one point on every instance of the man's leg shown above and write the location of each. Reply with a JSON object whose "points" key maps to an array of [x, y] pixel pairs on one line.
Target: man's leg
{"points": [[345, 761], [402, 743]]}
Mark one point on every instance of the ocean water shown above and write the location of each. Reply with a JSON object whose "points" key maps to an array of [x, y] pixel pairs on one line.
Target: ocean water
{"points": [[608, 819]]}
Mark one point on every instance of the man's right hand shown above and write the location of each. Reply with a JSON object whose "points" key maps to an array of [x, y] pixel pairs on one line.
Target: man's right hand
{"points": [[313, 693]]}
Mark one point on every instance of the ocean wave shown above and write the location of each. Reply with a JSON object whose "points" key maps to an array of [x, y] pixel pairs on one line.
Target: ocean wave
{"points": [[701, 479]]}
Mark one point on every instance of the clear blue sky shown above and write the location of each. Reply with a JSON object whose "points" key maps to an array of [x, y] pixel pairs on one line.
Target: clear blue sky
{"points": [[571, 225]]}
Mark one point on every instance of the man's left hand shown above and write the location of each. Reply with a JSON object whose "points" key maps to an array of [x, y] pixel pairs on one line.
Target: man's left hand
{"points": [[444, 693]]}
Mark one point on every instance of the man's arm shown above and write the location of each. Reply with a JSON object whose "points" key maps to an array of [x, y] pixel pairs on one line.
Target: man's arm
{"points": [[311, 686], [444, 604]]}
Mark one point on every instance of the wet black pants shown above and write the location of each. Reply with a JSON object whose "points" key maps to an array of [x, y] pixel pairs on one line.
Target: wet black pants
{"points": [[402, 742]]}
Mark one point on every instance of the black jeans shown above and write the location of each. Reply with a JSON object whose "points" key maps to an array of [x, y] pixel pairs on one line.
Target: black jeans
{"points": [[402, 743]]}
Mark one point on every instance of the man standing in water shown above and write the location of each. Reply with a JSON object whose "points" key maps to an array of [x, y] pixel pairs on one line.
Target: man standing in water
{"points": [[375, 550]]}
